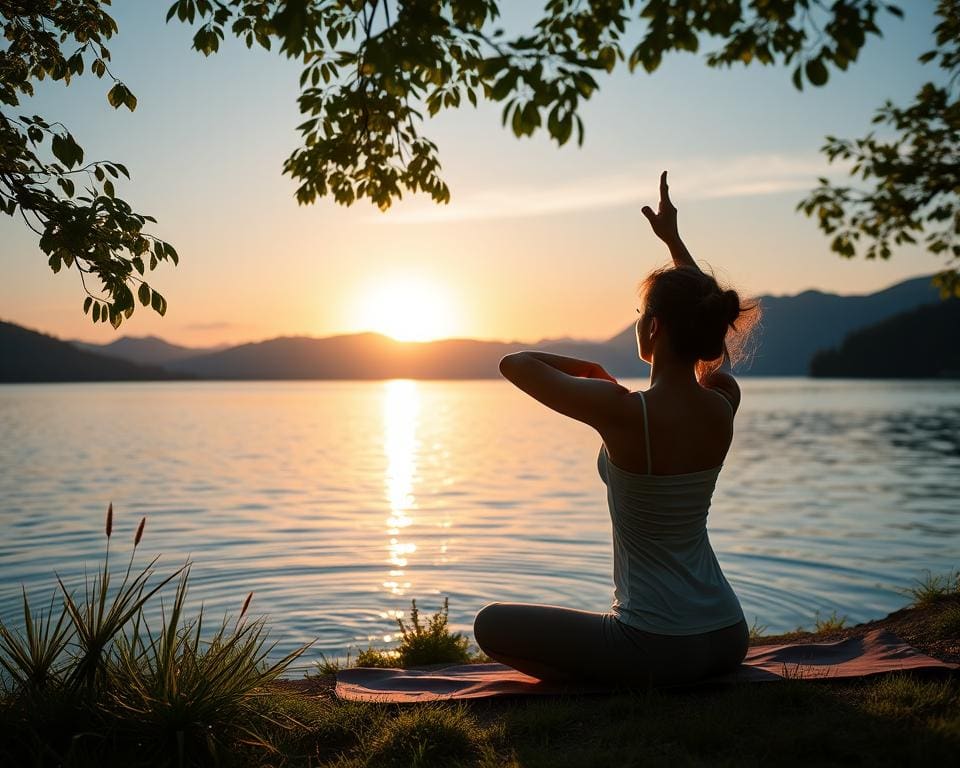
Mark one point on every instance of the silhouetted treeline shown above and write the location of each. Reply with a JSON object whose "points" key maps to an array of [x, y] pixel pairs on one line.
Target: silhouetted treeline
{"points": [[918, 344], [28, 356]]}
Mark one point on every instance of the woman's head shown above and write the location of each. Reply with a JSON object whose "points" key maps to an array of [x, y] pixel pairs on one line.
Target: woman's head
{"points": [[690, 312]]}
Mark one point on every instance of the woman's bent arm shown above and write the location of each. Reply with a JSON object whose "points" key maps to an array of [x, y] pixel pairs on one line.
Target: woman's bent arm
{"points": [[597, 401], [571, 366]]}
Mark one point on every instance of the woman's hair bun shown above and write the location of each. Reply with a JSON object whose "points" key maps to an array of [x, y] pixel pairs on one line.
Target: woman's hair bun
{"points": [[731, 301], [699, 315]]}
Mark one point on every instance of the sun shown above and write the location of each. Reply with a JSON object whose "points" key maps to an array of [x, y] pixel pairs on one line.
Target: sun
{"points": [[407, 309]]}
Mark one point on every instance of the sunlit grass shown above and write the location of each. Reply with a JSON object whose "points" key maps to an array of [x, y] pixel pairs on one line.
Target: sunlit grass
{"points": [[757, 630], [421, 643], [830, 623], [932, 587]]}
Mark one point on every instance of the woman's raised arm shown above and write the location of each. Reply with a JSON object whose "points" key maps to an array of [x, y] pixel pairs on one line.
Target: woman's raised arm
{"points": [[664, 224]]}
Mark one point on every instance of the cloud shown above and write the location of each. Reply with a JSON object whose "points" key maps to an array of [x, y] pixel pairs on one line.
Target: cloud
{"points": [[214, 326], [696, 179]]}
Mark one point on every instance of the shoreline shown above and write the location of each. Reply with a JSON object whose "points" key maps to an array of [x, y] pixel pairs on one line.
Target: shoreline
{"points": [[912, 624]]}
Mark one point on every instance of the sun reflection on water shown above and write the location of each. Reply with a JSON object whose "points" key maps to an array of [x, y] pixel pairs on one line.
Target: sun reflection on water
{"points": [[401, 411]]}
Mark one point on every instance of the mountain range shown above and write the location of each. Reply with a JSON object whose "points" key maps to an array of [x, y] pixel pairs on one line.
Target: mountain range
{"points": [[792, 330]]}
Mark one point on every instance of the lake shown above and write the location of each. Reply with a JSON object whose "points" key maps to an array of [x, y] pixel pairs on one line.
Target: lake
{"points": [[338, 502]]}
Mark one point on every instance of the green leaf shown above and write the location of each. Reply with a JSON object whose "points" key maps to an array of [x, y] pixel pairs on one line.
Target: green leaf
{"points": [[63, 149], [115, 95], [564, 129], [96, 313], [816, 72], [158, 303], [86, 304], [143, 293], [503, 86]]}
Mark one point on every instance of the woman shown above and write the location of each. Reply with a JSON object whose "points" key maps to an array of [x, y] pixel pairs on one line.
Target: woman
{"points": [[675, 619]]}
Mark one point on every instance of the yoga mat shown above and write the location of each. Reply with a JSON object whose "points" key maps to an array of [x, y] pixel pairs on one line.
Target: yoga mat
{"points": [[877, 652]]}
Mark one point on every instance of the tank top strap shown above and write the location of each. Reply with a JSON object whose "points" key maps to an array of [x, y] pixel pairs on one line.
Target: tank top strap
{"points": [[646, 433]]}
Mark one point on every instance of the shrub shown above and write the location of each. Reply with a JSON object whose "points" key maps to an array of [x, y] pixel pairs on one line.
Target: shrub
{"points": [[432, 643]]}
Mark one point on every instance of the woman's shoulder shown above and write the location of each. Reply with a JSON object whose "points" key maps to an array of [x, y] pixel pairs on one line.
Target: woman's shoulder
{"points": [[723, 384]]}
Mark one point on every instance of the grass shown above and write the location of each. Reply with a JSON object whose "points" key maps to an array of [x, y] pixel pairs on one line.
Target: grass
{"points": [[894, 721], [947, 623], [932, 587], [757, 630], [88, 683], [829, 623], [427, 736]]}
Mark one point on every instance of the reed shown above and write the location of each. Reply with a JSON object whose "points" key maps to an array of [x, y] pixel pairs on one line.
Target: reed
{"points": [[94, 678]]}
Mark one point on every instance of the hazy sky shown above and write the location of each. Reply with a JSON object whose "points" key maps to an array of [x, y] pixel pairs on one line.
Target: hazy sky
{"points": [[538, 241]]}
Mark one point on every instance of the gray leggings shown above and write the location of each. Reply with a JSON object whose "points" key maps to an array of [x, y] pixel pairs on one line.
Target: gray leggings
{"points": [[565, 645]]}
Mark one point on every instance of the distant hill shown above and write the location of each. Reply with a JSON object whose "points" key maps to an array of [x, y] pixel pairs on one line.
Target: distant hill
{"points": [[794, 328], [28, 356], [357, 356], [145, 350], [374, 356], [919, 344]]}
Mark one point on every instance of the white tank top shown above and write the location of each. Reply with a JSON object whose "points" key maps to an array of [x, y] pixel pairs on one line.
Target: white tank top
{"points": [[666, 576]]}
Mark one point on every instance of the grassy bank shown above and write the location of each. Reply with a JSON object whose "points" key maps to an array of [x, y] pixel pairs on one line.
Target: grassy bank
{"points": [[897, 720], [88, 682]]}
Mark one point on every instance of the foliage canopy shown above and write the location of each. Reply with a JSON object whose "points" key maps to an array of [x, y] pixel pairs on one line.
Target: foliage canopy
{"points": [[911, 172], [373, 69], [71, 204], [373, 72]]}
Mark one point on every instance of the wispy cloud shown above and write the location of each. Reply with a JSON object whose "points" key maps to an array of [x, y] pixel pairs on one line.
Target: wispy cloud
{"points": [[695, 179], [213, 326]]}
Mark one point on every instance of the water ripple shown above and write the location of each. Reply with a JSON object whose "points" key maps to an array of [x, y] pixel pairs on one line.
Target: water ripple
{"points": [[336, 503]]}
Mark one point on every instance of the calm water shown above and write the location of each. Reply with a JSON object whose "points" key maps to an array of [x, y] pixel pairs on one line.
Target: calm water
{"points": [[337, 502]]}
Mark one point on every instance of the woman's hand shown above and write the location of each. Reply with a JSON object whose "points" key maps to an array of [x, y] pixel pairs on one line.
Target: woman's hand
{"points": [[664, 221], [664, 224], [597, 371]]}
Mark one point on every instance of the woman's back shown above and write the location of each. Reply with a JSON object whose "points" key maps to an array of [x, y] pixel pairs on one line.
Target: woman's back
{"points": [[689, 430], [666, 576]]}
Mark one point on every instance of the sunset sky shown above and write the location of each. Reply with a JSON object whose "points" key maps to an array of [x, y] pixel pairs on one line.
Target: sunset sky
{"points": [[537, 242]]}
